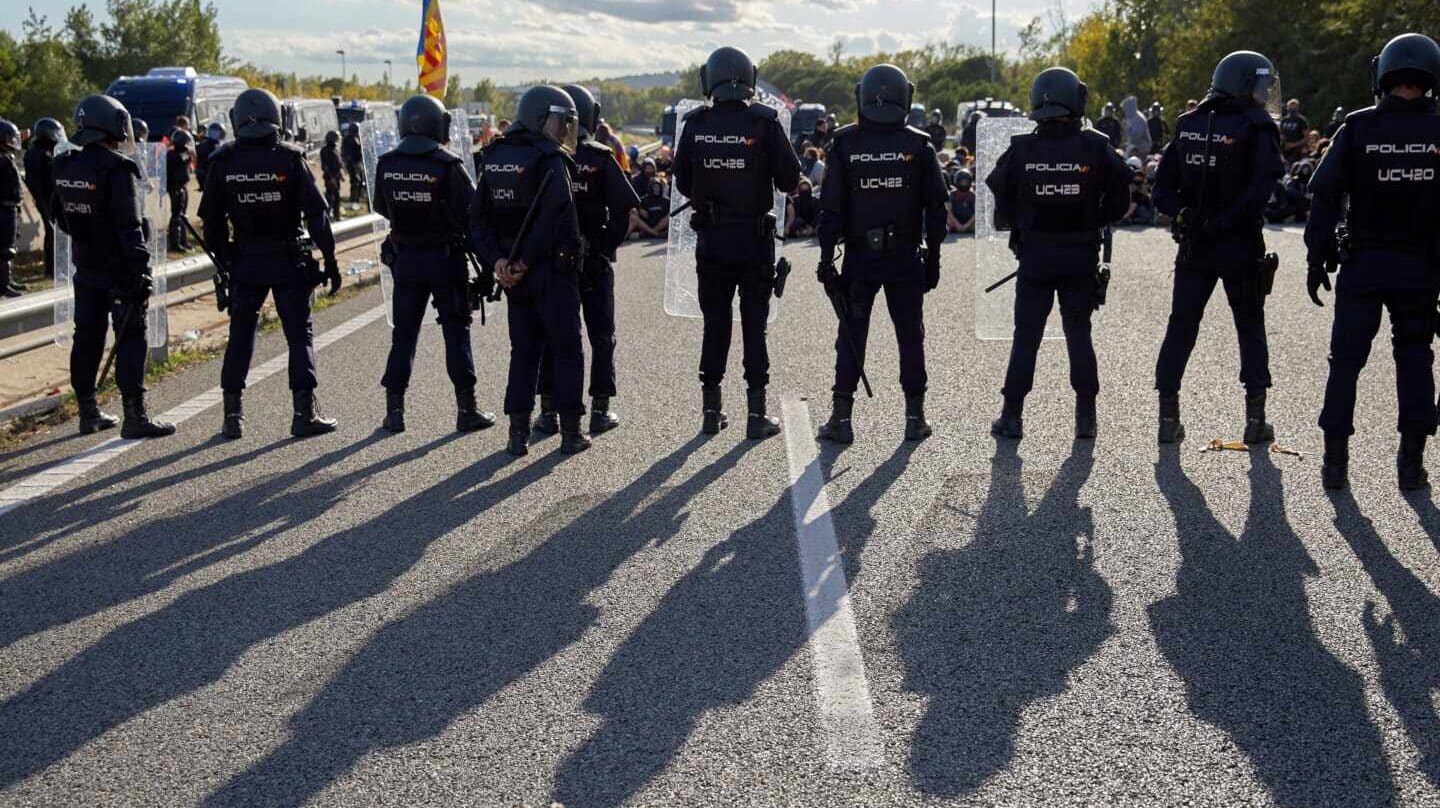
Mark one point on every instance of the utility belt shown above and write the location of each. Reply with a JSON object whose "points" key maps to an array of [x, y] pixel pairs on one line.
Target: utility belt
{"points": [[246, 247], [1068, 238], [706, 215], [1348, 246], [886, 238]]}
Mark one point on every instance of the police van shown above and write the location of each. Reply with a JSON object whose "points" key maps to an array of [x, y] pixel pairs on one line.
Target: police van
{"points": [[306, 120], [165, 93], [357, 111]]}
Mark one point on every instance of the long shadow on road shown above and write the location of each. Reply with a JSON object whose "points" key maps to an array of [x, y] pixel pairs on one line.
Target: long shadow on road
{"points": [[1406, 641], [440, 661], [1000, 623], [1238, 632], [192, 642]]}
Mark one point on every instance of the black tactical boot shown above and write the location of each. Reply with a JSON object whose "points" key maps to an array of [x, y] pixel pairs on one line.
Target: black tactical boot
{"points": [[137, 420], [468, 417], [92, 420], [572, 440], [234, 425], [308, 420], [1256, 430], [759, 424], [839, 429], [602, 420], [1009, 424], [394, 412], [547, 422], [1086, 424], [916, 427], [1171, 430], [1335, 468], [715, 418], [1410, 462], [519, 445]]}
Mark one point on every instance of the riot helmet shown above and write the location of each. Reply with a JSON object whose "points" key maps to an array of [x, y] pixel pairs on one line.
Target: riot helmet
{"points": [[215, 131], [549, 111], [1156, 110], [586, 107], [728, 75], [332, 138], [9, 136], [1248, 76], [48, 131], [1406, 59], [1058, 93], [142, 130], [424, 124], [964, 179], [936, 116], [883, 95], [256, 114], [1338, 115], [181, 140], [99, 118]]}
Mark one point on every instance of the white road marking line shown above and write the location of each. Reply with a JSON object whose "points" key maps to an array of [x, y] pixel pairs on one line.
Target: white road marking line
{"points": [[852, 736], [38, 485]]}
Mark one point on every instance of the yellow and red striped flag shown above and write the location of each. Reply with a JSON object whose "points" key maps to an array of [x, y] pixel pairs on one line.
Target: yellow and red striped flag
{"points": [[430, 54]]}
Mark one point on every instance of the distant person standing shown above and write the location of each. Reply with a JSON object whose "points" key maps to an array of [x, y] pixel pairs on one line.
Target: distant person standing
{"points": [[40, 179], [9, 205], [1109, 125], [354, 158], [331, 170], [214, 136], [177, 185], [936, 130], [1293, 127]]}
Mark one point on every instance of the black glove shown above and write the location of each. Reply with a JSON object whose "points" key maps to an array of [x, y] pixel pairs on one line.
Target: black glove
{"points": [[136, 288], [1318, 276], [332, 274], [829, 278], [1184, 226], [932, 270]]}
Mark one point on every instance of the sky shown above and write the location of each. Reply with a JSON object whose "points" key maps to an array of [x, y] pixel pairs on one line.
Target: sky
{"points": [[518, 40]]}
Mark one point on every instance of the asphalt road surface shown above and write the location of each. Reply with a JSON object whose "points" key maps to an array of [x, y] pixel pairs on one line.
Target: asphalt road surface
{"points": [[670, 619]]}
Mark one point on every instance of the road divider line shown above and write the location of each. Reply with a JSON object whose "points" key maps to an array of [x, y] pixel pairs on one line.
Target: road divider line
{"points": [[38, 485], [847, 718]]}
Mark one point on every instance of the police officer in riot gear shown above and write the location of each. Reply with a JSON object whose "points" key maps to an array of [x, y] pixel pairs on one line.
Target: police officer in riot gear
{"points": [[604, 198], [10, 200], [935, 129], [258, 192], [530, 167], [1383, 161], [177, 183], [1159, 129], [883, 191], [331, 171], [1109, 125], [1214, 180], [1337, 119], [1055, 190], [730, 156], [46, 134], [354, 159], [142, 131], [422, 188], [214, 137], [97, 203]]}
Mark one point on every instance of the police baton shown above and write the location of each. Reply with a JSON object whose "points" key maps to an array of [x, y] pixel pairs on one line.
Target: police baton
{"points": [[682, 208], [526, 222], [222, 275], [842, 311], [127, 314], [997, 284]]}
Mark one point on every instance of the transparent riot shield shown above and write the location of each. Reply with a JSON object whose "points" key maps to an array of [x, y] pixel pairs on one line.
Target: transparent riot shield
{"points": [[682, 296], [154, 207], [995, 310], [64, 274], [460, 141], [377, 136]]}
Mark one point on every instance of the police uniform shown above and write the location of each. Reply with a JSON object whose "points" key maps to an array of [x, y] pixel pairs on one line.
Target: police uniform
{"points": [[10, 199], [40, 180], [604, 198], [426, 196], [728, 160], [1055, 189], [257, 194], [544, 307], [883, 192], [1386, 161], [331, 171], [177, 185], [354, 158], [1225, 244], [204, 150]]}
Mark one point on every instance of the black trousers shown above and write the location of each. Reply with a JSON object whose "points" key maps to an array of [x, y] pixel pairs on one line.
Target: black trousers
{"points": [[357, 181], [1193, 287], [332, 196], [8, 225], [452, 305], [549, 324], [179, 204], [1034, 298], [597, 304], [1412, 327], [49, 245], [718, 285], [905, 298], [96, 311], [292, 303]]}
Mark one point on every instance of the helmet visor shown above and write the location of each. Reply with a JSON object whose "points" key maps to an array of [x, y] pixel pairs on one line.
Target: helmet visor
{"points": [[1266, 92], [562, 125]]}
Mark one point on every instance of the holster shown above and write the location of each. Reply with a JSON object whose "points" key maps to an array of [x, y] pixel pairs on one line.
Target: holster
{"points": [[1102, 285], [703, 215], [1265, 280], [387, 252]]}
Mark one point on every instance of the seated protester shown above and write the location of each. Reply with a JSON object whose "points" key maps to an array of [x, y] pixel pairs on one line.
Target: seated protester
{"points": [[801, 211], [1290, 200], [816, 172], [664, 159], [1142, 207], [646, 175], [652, 218], [962, 156], [961, 206]]}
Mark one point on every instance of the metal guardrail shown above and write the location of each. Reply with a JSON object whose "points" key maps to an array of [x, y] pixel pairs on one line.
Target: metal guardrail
{"points": [[35, 311]]}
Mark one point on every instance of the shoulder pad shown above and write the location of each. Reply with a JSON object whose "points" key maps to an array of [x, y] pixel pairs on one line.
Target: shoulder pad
{"points": [[915, 130], [124, 162], [445, 155], [760, 110], [599, 147], [289, 147], [223, 152], [1094, 136], [1026, 137], [844, 130], [1260, 118], [695, 113], [1368, 112]]}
